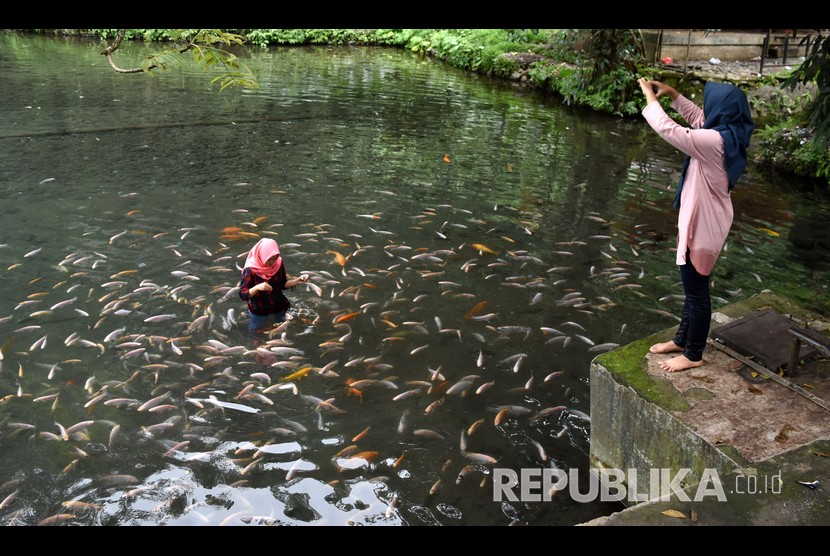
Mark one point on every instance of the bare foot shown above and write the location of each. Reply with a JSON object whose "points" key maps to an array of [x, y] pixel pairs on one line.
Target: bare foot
{"points": [[665, 347], [679, 363]]}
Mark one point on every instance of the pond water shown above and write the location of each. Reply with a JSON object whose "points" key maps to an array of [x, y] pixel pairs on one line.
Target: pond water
{"points": [[472, 245]]}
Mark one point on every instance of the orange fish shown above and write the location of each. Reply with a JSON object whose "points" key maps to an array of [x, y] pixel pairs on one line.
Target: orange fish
{"points": [[361, 434], [132, 212], [356, 393], [260, 219], [339, 257], [368, 455], [476, 310], [483, 248], [343, 318], [231, 229], [447, 158], [299, 374]]}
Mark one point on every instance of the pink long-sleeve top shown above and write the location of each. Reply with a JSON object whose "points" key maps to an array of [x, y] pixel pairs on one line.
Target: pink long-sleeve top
{"points": [[705, 215]]}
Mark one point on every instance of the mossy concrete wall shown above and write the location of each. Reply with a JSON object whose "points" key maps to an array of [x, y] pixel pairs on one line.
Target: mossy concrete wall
{"points": [[637, 422], [637, 418], [630, 432]]}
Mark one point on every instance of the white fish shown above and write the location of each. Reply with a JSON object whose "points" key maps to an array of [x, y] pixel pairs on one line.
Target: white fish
{"points": [[484, 387], [608, 346], [230, 293], [585, 339], [460, 387], [407, 394], [315, 288], [403, 422], [114, 334], [116, 236], [518, 364], [40, 343], [230, 405], [63, 303], [160, 318], [542, 454]]}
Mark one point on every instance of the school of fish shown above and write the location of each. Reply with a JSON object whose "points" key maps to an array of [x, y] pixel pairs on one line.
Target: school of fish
{"points": [[419, 364]]}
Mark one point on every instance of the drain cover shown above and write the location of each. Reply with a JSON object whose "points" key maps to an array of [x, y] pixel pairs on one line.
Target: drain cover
{"points": [[763, 336]]}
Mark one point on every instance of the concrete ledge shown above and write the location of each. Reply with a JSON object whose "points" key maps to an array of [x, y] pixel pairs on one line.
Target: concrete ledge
{"points": [[770, 493], [630, 432], [713, 444]]}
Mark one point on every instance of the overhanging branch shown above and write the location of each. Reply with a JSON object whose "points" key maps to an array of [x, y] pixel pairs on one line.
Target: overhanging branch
{"points": [[112, 48]]}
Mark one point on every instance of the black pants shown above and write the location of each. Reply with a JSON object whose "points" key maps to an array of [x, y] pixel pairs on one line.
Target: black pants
{"points": [[697, 312]]}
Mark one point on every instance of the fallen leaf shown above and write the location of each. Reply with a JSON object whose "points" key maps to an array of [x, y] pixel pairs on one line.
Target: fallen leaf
{"points": [[755, 390], [703, 378], [821, 454], [694, 515], [784, 435], [447, 158], [674, 513], [810, 386]]}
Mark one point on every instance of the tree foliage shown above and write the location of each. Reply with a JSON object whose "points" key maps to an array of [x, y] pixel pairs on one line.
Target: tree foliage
{"points": [[207, 49], [608, 62], [816, 68]]}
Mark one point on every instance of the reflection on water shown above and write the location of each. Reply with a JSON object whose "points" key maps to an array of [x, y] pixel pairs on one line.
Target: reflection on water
{"points": [[471, 248]]}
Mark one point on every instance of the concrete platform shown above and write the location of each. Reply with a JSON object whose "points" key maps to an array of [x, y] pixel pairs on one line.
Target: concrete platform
{"points": [[741, 448]]}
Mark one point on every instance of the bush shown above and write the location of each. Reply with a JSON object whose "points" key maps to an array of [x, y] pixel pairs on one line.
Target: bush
{"points": [[791, 147]]}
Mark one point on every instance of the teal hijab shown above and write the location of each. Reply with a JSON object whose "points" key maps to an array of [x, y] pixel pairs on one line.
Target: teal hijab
{"points": [[726, 110]]}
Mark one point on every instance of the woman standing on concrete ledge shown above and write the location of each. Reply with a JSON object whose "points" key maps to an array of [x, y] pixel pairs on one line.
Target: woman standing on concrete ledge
{"points": [[715, 144]]}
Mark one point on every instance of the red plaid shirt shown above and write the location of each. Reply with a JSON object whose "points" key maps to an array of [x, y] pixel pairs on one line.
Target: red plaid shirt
{"points": [[264, 303]]}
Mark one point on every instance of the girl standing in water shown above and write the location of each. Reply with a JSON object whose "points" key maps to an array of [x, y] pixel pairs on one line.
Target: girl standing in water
{"points": [[715, 144], [263, 280]]}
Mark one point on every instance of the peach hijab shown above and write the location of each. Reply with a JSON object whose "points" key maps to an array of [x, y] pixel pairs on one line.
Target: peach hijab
{"points": [[261, 252]]}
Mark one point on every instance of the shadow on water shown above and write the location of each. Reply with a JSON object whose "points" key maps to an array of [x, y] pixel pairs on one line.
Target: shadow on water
{"points": [[471, 247]]}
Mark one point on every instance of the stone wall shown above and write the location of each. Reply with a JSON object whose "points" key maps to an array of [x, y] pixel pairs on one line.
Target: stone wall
{"points": [[681, 45]]}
